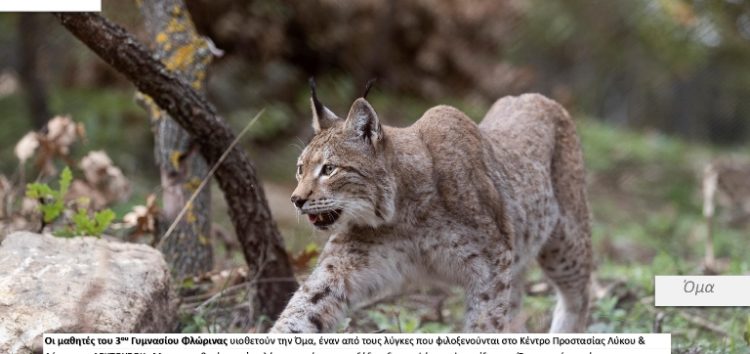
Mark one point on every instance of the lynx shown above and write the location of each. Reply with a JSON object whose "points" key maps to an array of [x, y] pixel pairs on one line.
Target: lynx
{"points": [[444, 199]]}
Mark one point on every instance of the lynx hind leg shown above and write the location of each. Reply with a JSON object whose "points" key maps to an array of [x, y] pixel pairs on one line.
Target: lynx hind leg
{"points": [[566, 260], [488, 297]]}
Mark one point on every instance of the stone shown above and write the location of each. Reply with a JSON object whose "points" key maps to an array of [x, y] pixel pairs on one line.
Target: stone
{"points": [[83, 284]]}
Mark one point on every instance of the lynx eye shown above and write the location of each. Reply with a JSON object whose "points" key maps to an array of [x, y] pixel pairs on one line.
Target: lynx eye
{"points": [[299, 169], [327, 169]]}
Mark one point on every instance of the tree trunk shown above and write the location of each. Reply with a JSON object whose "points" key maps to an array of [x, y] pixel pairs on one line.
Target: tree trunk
{"points": [[256, 230], [31, 36], [186, 54]]}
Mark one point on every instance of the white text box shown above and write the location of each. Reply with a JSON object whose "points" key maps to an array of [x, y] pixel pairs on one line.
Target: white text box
{"points": [[352, 343], [702, 290], [50, 5]]}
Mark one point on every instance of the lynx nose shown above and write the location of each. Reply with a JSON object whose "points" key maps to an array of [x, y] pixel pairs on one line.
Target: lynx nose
{"points": [[299, 202]]}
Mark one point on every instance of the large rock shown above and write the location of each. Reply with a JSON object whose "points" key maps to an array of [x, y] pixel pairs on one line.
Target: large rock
{"points": [[82, 284]]}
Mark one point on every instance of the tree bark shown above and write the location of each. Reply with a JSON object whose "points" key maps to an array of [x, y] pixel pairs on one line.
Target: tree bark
{"points": [[256, 230], [177, 44]]}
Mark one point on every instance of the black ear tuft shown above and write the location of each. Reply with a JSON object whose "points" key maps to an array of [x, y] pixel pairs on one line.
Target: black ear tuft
{"points": [[323, 118], [318, 106], [370, 83]]}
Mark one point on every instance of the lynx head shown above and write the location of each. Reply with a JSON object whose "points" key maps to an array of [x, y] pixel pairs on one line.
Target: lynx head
{"points": [[343, 176]]}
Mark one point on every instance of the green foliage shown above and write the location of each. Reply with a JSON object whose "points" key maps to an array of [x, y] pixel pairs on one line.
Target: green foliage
{"points": [[188, 284], [398, 320], [645, 199], [608, 316], [112, 120], [406, 317], [384, 320], [660, 55], [52, 202], [193, 323], [86, 225], [52, 206]]}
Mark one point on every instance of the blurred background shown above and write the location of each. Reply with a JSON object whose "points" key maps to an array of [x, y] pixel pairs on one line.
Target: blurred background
{"points": [[660, 89]]}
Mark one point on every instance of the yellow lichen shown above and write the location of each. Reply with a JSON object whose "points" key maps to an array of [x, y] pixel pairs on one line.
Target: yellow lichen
{"points": [[200, 76], [190, 216], [174, 159], [182, 57], [175, 25], [161, 38], [153, 109], [193, 184]]}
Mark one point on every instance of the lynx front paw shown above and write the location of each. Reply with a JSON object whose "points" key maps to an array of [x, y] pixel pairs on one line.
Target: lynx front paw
{"points": [[286, 326]]}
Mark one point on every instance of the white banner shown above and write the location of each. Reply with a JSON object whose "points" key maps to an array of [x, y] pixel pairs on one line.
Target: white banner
{"points": [[469, 343], [701, 290], [50, 5]]}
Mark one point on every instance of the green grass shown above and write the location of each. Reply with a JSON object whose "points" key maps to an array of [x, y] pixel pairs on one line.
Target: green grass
{"points": [[645, 196]]}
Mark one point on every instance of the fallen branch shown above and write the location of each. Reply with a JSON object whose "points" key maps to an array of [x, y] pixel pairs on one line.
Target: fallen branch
{"points": [[248, 208]]}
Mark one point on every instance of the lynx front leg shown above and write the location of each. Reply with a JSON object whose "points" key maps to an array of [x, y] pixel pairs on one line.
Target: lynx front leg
{"points": [[488, 297], [517, 289], [347, 275]]}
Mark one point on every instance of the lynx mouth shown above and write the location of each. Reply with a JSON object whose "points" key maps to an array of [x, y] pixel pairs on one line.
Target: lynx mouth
{"points": [[325, 219]]}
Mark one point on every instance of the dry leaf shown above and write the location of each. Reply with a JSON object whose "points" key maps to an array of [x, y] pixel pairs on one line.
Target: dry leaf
{"points": [[55, 141], [95, 165], [80, 189], [143, 217], [131, 219], [301, 261], [29, 206], [101, 174], [8, 83], [26, 147], [62, 132]]}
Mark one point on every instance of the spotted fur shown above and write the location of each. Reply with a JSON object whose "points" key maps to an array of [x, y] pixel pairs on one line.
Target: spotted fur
{"points": [[445, 199]]}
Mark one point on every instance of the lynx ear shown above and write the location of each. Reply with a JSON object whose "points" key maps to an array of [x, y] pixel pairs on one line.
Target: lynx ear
{"points": [[363, 120], [323, 118]]}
